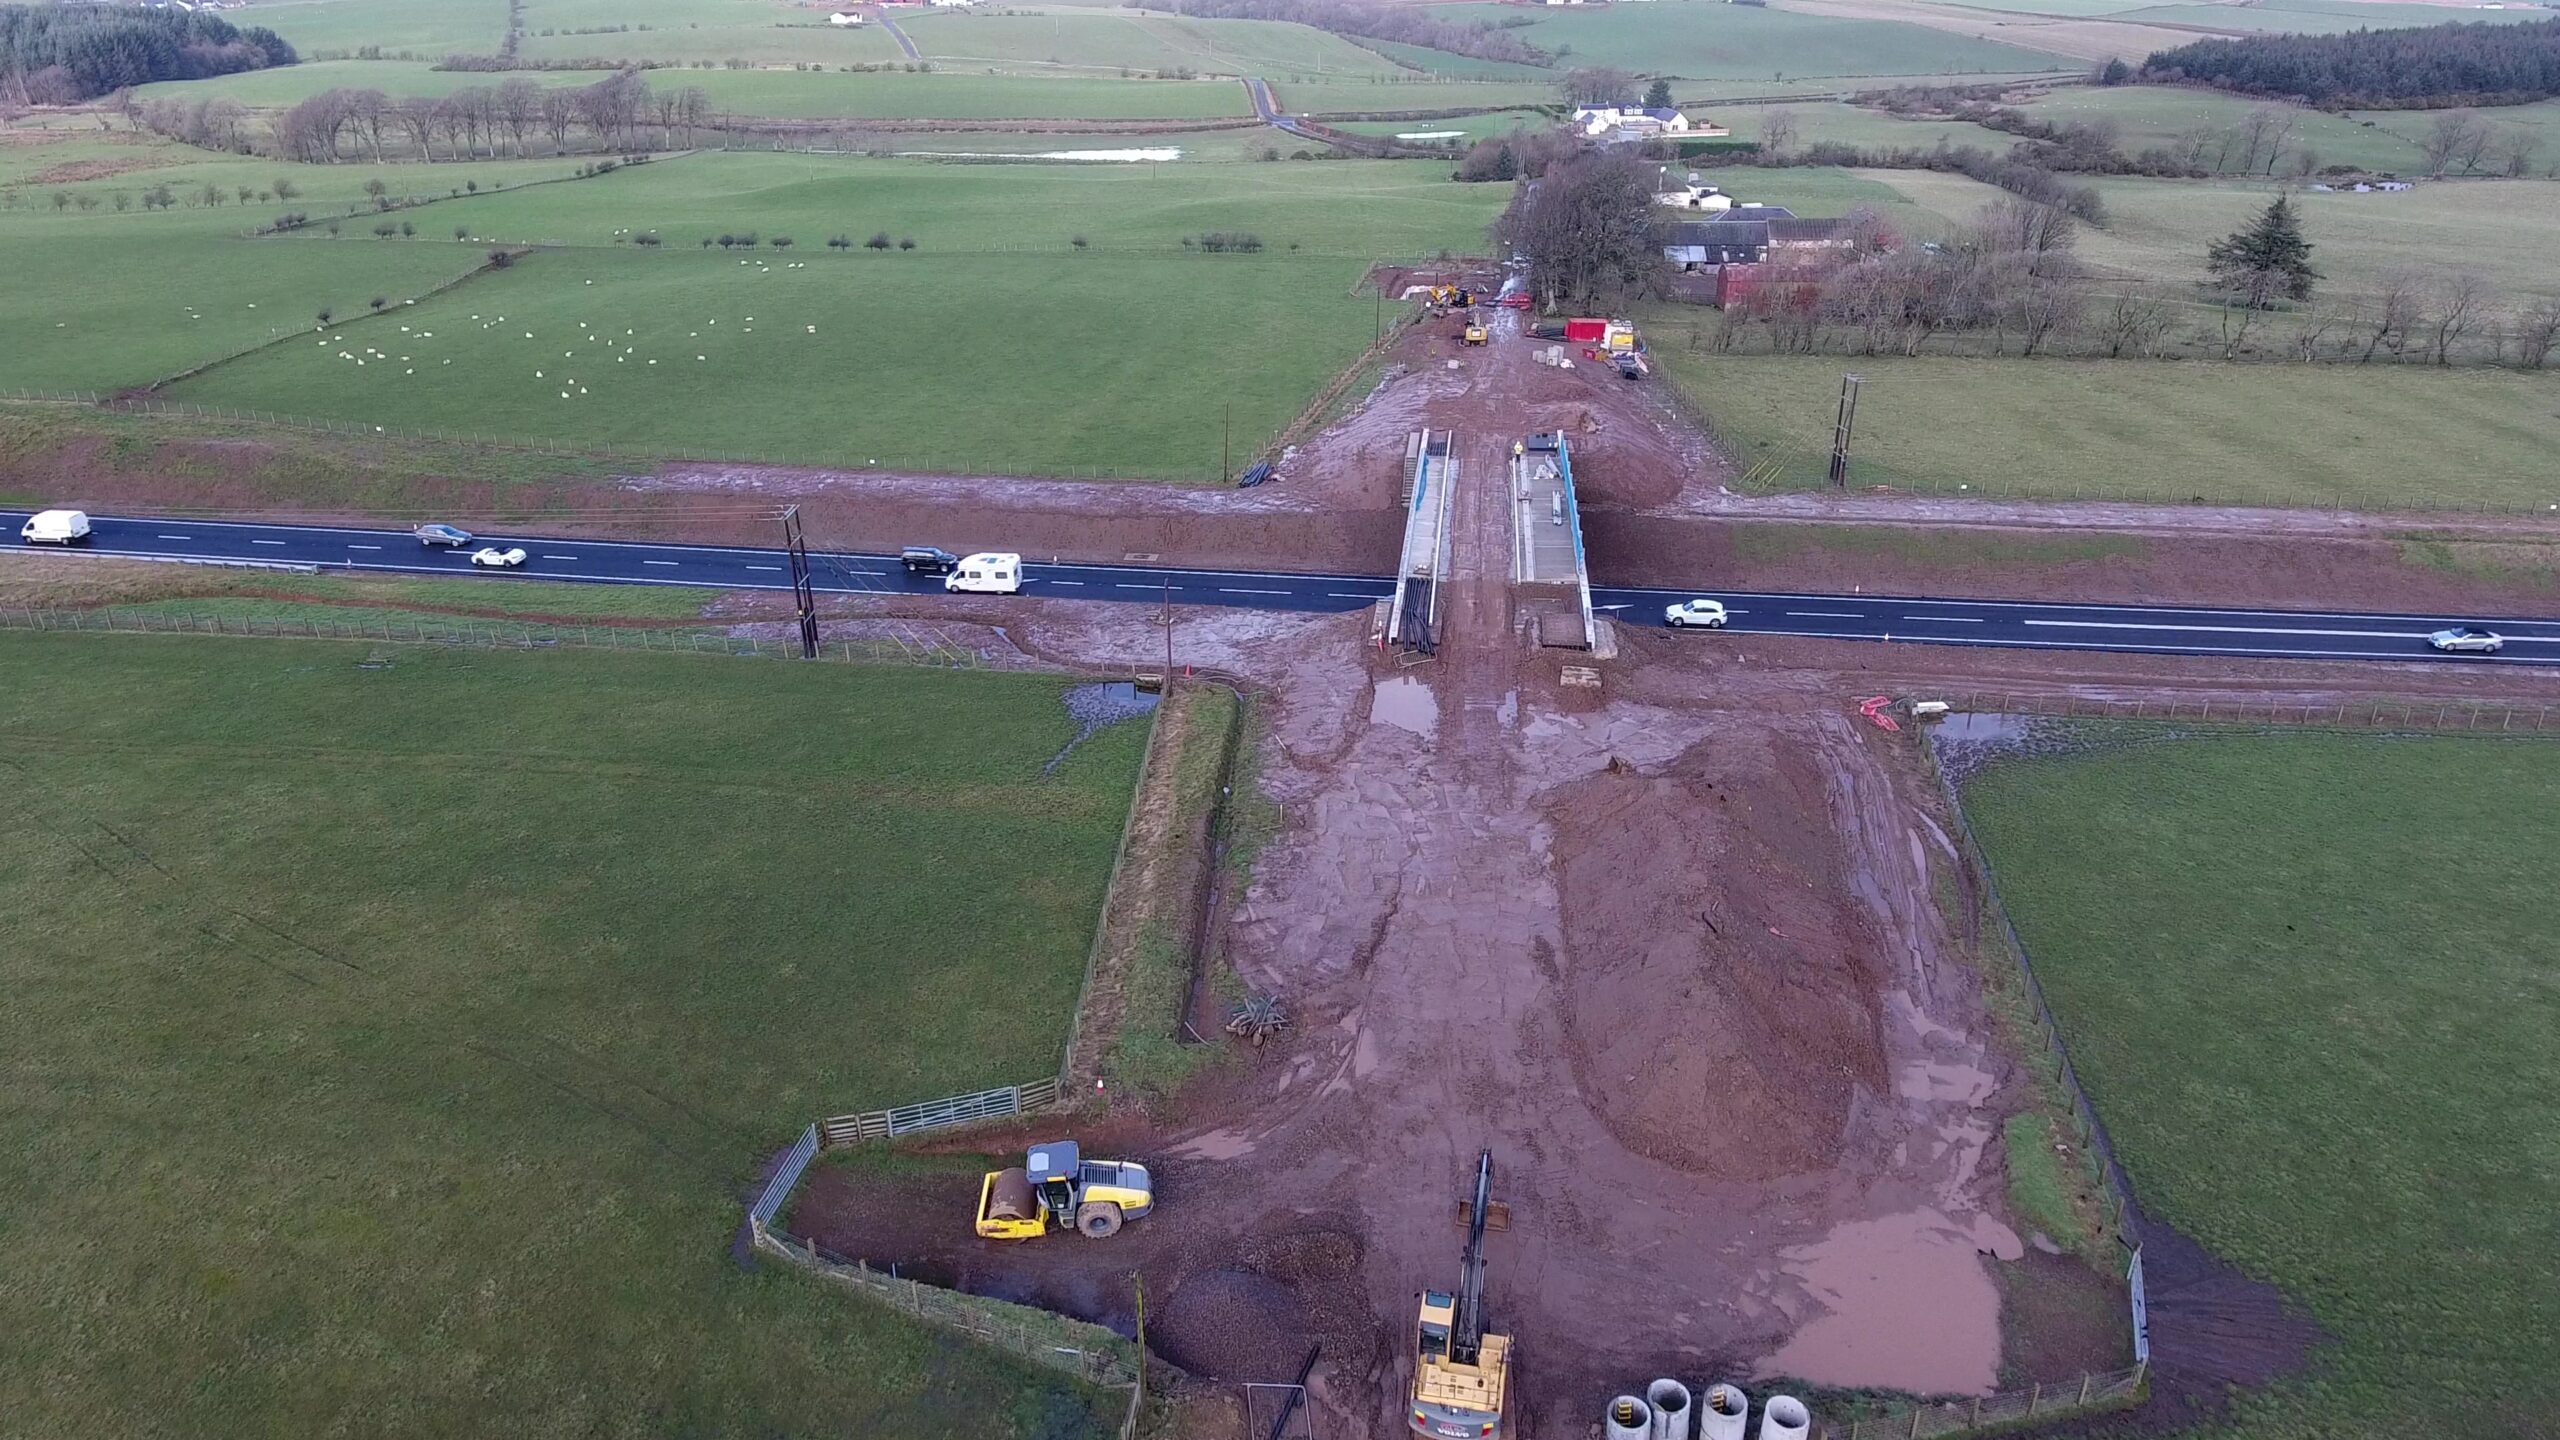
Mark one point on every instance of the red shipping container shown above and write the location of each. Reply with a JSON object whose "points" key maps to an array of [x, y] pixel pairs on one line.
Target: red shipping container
{"points": [[1733, 282], [1578, 331]]}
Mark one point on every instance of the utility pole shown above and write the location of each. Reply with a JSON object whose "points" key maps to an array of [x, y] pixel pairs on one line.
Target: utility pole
{"points": [[1840, 431], [1168, 629], [803, 590], [1226, 444]]}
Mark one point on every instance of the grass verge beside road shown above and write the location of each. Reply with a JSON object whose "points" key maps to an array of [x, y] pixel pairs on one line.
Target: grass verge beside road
{"points": [[2352, 436], [391, 1030], [2312, 983]]}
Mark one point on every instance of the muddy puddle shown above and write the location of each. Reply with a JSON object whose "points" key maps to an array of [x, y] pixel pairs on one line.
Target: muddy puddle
{"points": [[1911, 1306], [1406, 702], [1093, 707]]}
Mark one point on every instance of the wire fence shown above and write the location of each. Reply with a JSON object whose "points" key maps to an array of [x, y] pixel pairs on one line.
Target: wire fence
{"points": [[1088, 1352], [2537, 494], [1241, 454], [2111, 1390], [2469, 717], [416, 629]]}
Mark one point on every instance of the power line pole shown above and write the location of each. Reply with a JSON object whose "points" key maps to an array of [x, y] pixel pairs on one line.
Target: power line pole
{"points": [[803, 589], [1841, 429], [1226, 445]]}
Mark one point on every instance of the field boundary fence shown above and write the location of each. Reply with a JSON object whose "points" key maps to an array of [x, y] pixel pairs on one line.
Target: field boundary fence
{"points": [[1088, 1352], [1001, 1103], [636, 455], [1931, 1420], [2119, 1213], [402, 629], [2375, 713]]}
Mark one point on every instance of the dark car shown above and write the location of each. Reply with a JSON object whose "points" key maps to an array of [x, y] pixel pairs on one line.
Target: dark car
{"points": [[439, 534], [928, 560]]}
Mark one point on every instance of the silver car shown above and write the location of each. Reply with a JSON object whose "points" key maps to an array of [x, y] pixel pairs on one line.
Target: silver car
{"points": [[1709, 613], [2468, 640]]}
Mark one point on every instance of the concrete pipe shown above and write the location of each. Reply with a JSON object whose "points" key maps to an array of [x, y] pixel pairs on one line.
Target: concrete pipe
{"points": [[1785, 1419], [1629, 1419], [1670, 1402], [1726, 1413]]}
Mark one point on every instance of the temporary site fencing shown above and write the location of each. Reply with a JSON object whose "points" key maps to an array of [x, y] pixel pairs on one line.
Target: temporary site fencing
{"points": [[417, 629]]}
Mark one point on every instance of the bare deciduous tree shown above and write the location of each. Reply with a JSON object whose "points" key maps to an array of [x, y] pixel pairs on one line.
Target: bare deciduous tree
{"points": [[1777, 130], [2460, 299], [2448, 136], [1600, 86], [2134, 322], [2537, 331], [2393, 312], [2040, 232]]}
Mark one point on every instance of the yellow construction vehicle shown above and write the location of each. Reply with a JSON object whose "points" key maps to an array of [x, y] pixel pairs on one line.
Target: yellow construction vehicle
{"points": [[1057, 1186], [1473, 334], [1455, 297], [1461, 1375]]}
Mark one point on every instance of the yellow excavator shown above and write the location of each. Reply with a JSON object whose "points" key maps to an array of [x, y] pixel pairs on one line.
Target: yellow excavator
{"points": [[1474, 334], [1461, 1375], [1056, 1186]]}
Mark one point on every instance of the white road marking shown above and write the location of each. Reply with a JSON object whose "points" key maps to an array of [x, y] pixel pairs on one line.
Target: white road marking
{"points": [[559, 557], [776, 569], [364, 547], [1947, 619], [668, 563], [1077, 583], [2225, 629], [177, 537], [1346, 595], [1125, 585], [266, 542], [1825, 615], [1223, 590]]}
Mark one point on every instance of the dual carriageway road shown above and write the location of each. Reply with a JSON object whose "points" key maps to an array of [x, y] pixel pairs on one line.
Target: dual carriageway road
{"points": [[2135, 629]]}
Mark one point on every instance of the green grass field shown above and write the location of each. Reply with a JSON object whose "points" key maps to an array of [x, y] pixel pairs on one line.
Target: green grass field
{"points": [[389, 1044], [1131, 352], [782, 94], [432, 31], [2312, 983], [2157, 115], [1105, 41], [1722, 42], [2504, 230], [2148, 430]]}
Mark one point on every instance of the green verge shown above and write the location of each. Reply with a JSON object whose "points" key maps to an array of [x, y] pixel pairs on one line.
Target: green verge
{"points": [[2313, 985], [1147, 1053], [388, 1045]]}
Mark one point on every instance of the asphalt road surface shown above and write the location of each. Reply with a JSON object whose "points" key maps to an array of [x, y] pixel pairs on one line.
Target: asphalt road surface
{"points": [[2139, 629], [719, 567]]}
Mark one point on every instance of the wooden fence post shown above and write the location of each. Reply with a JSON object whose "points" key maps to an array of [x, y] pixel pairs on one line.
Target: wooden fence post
{"points": [[2085, 1382], [2034, 1393]]}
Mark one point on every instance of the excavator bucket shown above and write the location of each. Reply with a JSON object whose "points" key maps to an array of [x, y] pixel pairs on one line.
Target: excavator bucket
{"points": [[1497, 1214]]}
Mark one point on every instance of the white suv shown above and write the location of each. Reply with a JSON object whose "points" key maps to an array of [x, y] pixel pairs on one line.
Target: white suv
{"points": [[1709, 613]]}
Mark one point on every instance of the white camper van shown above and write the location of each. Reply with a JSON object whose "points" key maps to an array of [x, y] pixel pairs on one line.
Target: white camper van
{"points": [[987, 573], [55, 527]]}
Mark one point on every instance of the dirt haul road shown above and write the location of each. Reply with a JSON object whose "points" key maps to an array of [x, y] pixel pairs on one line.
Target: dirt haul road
{"points": [[1675, 962]]}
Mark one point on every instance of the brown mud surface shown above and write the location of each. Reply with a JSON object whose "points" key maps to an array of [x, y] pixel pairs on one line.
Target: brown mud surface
{"points": [[1739, 1089]]}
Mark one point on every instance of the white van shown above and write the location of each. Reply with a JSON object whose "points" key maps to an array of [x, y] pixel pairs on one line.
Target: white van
{"points": [[986, 574], [55, 527]]}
